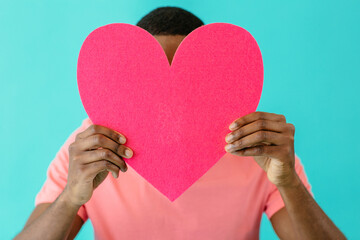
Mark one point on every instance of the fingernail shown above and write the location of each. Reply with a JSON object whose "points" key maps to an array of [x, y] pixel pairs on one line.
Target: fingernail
{"points": [[228, 138], [122, 140], [128, 152], [114, 174], [233, 125], [228, 147]]}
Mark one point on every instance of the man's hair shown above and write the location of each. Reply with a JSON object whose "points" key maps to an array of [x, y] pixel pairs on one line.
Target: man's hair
{"points": [[169, 21]]}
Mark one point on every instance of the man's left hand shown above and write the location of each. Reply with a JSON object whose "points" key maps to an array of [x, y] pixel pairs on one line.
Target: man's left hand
{"points": [[270, 140]]}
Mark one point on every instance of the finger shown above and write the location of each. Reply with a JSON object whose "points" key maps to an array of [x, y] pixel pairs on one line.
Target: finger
{"points": [[255, 126], [97, 167], [260, 150], [256, 138], [251, 117], [98, 140], [94, 129], [103, 154]]}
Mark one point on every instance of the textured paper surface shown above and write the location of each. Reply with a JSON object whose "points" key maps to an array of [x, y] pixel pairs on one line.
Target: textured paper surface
{"points": [[176, 117]]}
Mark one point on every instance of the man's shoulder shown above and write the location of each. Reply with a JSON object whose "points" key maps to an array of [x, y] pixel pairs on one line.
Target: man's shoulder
{"points": [[86, 122], [71, 138]]}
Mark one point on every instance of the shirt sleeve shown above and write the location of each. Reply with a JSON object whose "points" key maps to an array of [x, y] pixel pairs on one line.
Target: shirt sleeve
{"points": [[57, 173], [274, 200]]}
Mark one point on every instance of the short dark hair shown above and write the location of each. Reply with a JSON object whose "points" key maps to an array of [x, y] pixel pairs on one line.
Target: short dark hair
{"points": [[169, 21]]}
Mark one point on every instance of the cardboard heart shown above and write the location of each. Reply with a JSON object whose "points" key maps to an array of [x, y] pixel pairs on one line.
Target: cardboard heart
{"points": [[175, 117]]}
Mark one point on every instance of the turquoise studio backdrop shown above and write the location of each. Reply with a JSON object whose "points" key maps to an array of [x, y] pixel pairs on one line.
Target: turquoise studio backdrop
{"points": [[311, 59]]}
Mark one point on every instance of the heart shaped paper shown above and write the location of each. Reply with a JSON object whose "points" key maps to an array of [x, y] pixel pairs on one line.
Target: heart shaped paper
{"points": [[176, 117]]}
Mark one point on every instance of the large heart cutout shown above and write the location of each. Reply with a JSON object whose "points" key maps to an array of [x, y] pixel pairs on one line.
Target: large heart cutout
{"points": [[175, 117]]}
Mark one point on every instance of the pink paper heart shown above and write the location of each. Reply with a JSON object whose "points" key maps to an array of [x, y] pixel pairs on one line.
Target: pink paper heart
{"points": [[175, 117]]}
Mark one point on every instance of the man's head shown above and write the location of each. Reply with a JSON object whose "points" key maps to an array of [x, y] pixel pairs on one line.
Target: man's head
{"points": [[169, 25]]}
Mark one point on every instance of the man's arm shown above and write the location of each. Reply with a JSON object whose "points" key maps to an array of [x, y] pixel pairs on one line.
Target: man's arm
{"points": [[95, 152], [57, 220], [39, 209], [282, 225], [270, 140], [308, 220]]}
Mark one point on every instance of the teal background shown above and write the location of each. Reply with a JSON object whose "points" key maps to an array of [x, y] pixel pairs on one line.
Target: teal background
{"points": [[311, 58]]}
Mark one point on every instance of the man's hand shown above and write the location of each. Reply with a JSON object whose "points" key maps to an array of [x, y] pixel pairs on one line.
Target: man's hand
{"points": [[268, 138], [94, 153]]}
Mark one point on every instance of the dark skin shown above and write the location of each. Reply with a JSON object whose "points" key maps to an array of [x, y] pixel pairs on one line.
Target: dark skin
{"points": [[266, 136], [270, 140]]}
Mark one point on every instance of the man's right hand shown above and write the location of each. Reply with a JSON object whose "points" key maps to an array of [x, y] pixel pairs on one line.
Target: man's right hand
{"points": [[95, 152]]}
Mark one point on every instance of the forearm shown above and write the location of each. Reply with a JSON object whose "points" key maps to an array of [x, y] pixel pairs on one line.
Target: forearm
{"points": [[308, 219], [54, 223]]}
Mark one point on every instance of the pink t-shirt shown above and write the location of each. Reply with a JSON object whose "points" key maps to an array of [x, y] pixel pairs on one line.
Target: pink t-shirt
{"points": [[227, 202]]}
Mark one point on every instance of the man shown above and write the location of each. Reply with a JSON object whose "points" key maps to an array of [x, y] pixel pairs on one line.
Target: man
{"points": [[259, 173]]}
